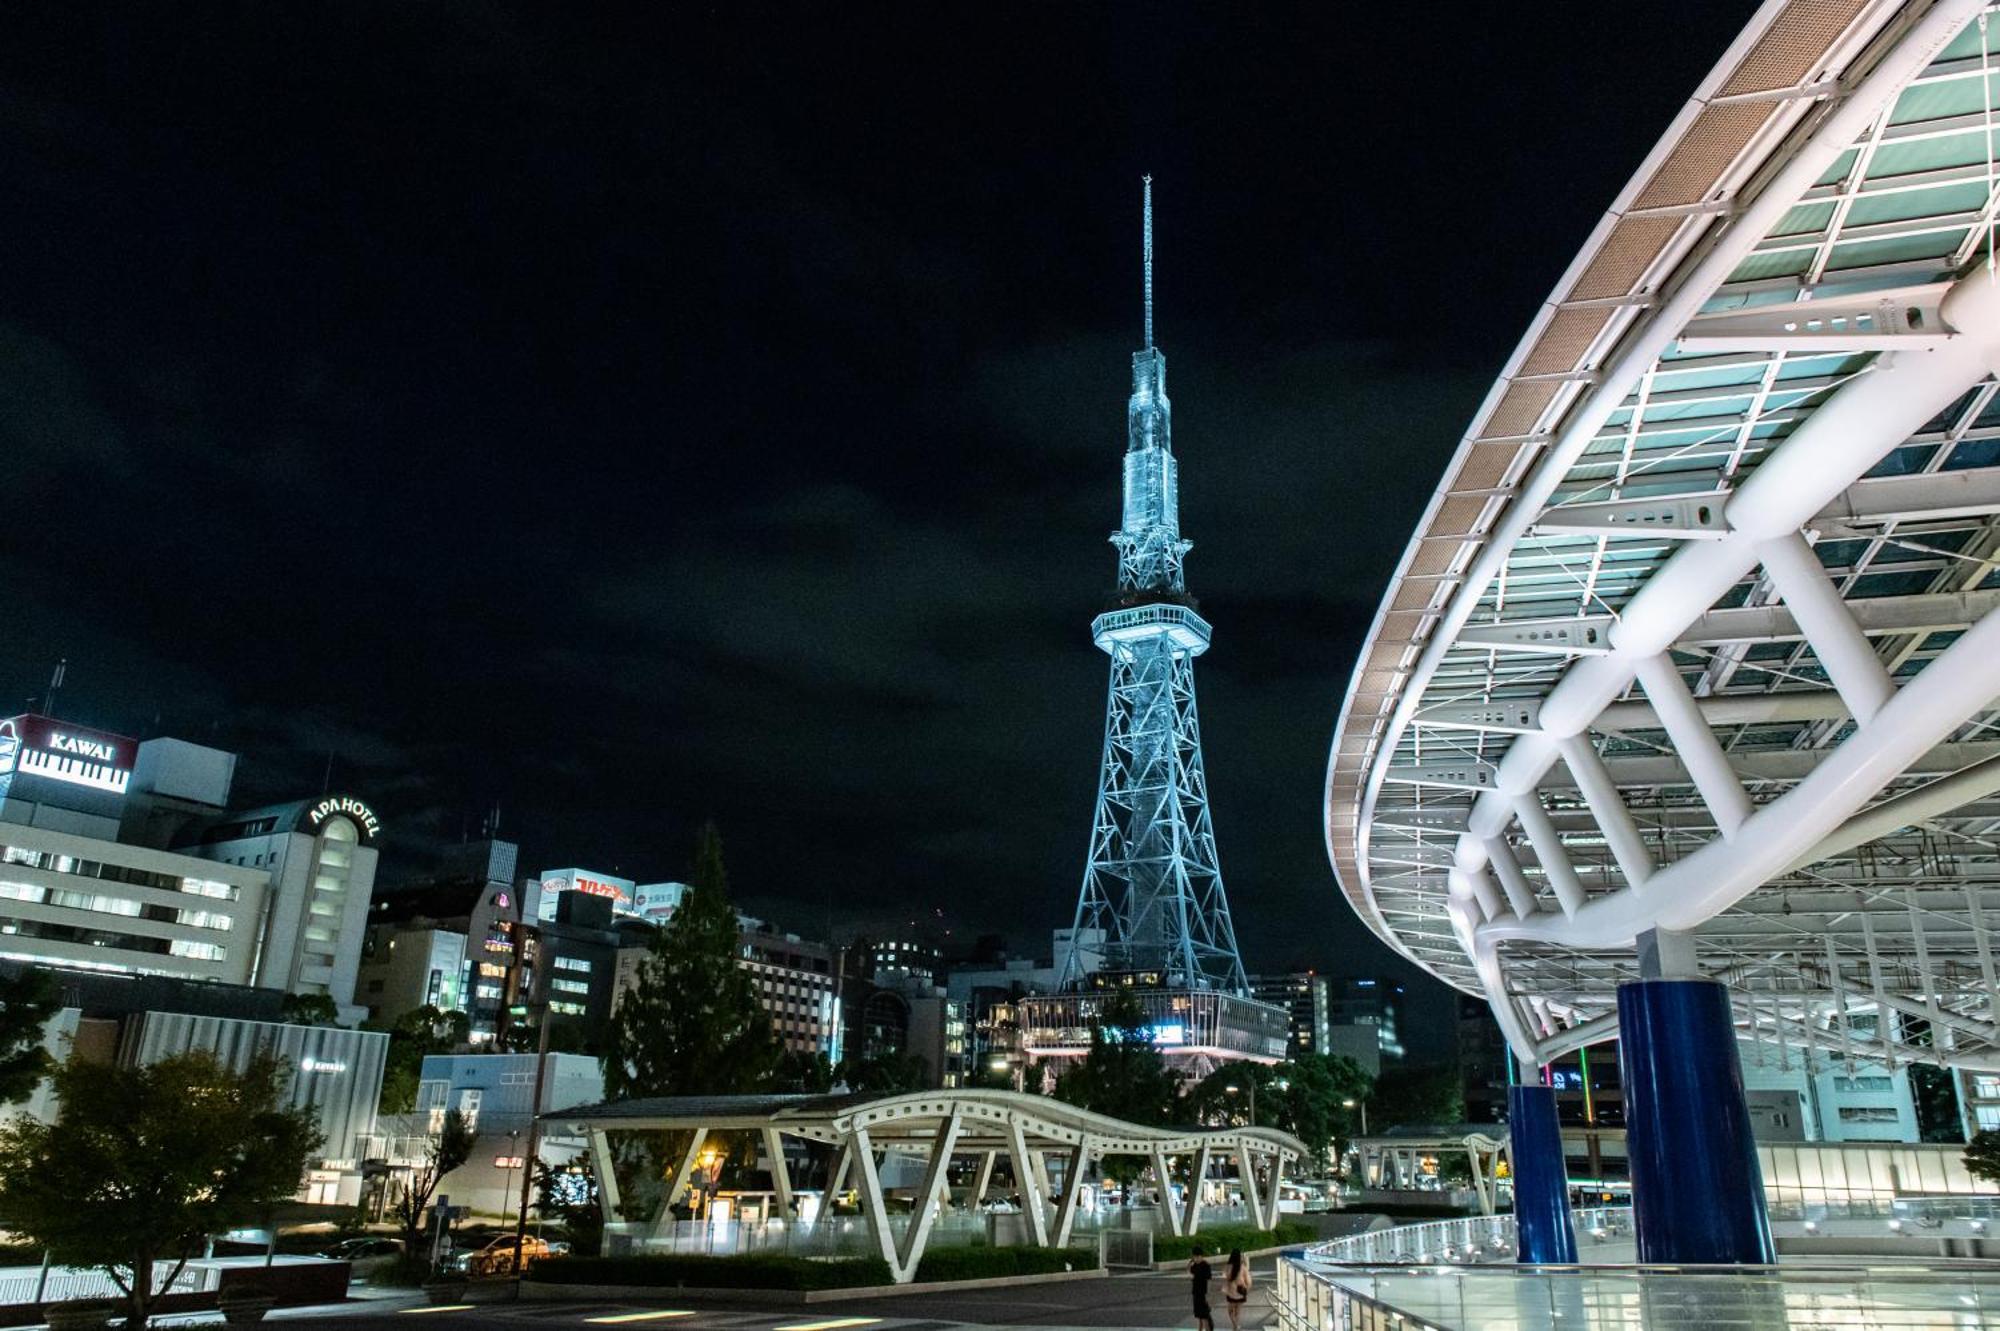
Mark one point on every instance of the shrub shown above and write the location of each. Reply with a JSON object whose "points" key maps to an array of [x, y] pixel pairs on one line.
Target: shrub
{"points": [[757, 1271], [1220, 1240], [982, 1263]]}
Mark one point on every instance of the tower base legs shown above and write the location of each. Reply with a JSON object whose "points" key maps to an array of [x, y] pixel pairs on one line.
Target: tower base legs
{"points": [[1697, 1190], [1541, 1186]]}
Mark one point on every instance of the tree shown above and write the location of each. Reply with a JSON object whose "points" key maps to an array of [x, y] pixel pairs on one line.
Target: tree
{"points": [[569, 1195], [309, 1009], [412, 1036], [450, 1148], [27, 1001], [1123, 1075], [692, 1023], [143, 1164], [802, 1074], [889, 1073], [1423, 1094], [1982, 1155]]}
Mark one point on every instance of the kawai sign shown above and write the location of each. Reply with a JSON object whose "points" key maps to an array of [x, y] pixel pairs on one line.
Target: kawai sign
{"points": [[42, 746]]}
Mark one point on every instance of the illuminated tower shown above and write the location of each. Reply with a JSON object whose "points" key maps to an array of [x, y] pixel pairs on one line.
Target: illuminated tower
{"points": [[1152, 883]]}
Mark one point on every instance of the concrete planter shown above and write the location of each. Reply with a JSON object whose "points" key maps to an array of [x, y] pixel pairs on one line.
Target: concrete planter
{"points": [[445, 1289], [81, 1314], [244, 1307]]}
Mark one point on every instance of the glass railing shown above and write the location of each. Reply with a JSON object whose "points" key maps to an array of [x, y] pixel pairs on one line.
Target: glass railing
{"points": [[1603, 1298], [1465, 1240]]}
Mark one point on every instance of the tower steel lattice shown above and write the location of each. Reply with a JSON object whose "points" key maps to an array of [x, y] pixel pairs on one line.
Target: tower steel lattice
{"points": [[1152, 883]]}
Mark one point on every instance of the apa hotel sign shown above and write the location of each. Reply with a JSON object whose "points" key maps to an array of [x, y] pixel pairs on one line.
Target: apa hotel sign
{"points": [[344, 806], [42, 746]]}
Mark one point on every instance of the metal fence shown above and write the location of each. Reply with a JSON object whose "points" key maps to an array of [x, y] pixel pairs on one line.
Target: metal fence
{"points": [[1465, 1239], [851, 1236], [62, 1282], [1125, 1249]]}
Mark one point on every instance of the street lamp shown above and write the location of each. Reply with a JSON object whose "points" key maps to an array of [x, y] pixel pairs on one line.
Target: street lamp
{"points": [[1233, 1090], [1363, 1106]]}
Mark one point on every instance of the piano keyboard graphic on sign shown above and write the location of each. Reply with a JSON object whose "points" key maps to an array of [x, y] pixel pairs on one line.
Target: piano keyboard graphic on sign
{"points": [[78, 771]]}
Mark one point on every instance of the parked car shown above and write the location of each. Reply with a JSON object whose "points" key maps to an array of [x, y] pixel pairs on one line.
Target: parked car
{"points": [[497, 1257], [349, 1250]]}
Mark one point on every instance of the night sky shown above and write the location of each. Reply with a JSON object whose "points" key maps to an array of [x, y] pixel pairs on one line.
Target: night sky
{"points": [[631, 417]]}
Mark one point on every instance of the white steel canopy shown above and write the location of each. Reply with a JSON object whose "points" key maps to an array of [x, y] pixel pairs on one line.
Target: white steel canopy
{"points": [[1697, 634], [988, 1125]]}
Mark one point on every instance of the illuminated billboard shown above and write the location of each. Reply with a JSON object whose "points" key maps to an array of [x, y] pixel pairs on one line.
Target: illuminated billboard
{"points": [[555, 882], [41, 746]]}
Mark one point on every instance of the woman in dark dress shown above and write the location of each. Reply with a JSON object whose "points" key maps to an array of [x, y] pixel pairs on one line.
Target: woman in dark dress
{"points": [[1198, 1268]]}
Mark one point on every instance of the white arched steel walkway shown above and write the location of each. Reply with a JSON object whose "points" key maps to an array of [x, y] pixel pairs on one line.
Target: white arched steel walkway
{"points": [[938, 1126]]}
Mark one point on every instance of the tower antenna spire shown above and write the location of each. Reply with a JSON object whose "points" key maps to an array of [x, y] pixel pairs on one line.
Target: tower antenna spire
{"points": [[1149, 261]]}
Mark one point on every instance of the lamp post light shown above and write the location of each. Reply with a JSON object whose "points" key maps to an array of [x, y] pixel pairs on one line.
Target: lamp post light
{"points": [[1363, 1106]]}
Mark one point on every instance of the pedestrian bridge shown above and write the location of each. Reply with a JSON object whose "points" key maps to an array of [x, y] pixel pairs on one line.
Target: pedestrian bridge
{"points": [[648, 1154]]}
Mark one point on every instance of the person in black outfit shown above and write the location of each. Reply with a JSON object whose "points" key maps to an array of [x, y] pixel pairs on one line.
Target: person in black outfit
{"points": [[1198, 1268]]}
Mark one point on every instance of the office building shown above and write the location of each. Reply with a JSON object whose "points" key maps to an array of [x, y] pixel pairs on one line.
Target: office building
{"points": [[122, 856], [496, 1094], [1303, 996], [798, 985], [137, 1019], [1372, 1006]]}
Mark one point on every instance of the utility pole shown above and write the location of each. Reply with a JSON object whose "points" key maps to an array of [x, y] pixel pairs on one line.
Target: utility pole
{"points": [[534, 1147]]}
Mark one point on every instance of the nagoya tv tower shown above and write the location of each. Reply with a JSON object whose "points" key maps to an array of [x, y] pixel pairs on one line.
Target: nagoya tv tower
{"points": [[1153, 884]]}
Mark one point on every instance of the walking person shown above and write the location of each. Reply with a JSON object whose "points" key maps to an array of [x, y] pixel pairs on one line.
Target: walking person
{"points": [[1199, 1269], [1236, 1288]]}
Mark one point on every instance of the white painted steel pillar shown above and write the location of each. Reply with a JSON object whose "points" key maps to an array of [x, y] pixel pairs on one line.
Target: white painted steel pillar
{"points": [[1549, 851], [1699, 752], [1520, 895], [1843, 649], [1607, 807]]}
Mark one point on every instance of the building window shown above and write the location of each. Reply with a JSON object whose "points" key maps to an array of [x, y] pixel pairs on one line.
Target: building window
{"points": [[197, 951], [1853, 1085], [1867, 1114]]}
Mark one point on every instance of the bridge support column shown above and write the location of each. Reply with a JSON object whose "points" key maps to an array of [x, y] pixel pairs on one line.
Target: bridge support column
{"points": [[1697, 1190], [1541, 1185]]}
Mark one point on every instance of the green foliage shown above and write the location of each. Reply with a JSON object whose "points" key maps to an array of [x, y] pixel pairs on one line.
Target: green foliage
{"points": [[1123, 1075], [309, 1009], [1303, 1097], [449, 1149], [757, 1271], [1982, 1155], [802, 1074], [692, 1025], [984, 1263], [1421, 1094], [27, 1001], [412, 1036], [142, 1164], [1223, 1238], [885, 1074], [570, 1197]]}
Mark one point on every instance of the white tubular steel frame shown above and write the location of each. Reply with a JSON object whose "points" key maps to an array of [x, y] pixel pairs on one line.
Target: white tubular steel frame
{"points": [[1700, 633], [857, 1132]]}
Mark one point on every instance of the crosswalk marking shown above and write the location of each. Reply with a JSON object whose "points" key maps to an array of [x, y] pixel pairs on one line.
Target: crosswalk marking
{"points": [[657, 1316], [832, 1324], [438, 1308]]}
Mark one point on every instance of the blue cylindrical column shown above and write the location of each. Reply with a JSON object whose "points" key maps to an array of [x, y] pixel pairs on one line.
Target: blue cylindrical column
{"points": [[1541, 1186], [1697, 1191]]}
